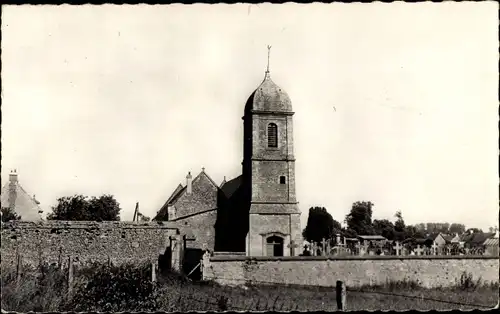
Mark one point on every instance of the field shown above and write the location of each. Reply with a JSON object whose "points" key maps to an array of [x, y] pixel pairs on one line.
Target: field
{"points": [[129, 288]]}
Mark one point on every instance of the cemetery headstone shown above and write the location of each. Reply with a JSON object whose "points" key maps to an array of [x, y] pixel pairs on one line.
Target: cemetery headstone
{"points": [[419, 250], [292, 245], [313, 249], [397, 248], [323, 245], [435, 249]]}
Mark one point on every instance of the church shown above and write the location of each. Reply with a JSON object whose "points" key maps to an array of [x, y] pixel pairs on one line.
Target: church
{"points": [[256, 213]]}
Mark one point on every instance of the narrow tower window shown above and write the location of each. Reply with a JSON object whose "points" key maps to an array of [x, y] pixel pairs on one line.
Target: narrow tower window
{"points": [[272, 135], [282, 180]]}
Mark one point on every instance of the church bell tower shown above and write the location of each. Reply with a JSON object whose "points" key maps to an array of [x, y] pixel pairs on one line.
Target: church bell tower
{"points": [[269, 172]]}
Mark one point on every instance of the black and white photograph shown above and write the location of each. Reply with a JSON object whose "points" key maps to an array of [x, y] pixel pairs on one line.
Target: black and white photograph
{"points": [[250, 157]]}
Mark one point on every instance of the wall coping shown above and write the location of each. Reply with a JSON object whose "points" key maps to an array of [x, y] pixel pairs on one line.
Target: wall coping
{"points": [[236, 258], [60, 224]]}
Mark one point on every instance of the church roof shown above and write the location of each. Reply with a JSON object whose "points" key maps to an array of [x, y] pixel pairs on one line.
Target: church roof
{"points": [[269, 97], [13, 195], [178, 192], [231, 186]]}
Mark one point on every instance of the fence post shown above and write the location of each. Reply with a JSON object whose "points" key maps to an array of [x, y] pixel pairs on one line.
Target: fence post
{"points": [[59, 259], [70, 276], [19, 269], [153, 272], [341, 296]]}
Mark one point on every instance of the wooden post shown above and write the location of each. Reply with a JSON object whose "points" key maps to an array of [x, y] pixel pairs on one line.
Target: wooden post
{"points": [[153, 272], [70, 276], [59, 259], [19, 269], [341, 296]]}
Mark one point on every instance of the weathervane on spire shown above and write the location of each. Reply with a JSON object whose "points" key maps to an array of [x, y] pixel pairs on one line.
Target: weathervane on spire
{"points": [[268, 56]]}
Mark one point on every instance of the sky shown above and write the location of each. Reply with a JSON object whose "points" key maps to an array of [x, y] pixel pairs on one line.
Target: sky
{"points": [[394, 103]]}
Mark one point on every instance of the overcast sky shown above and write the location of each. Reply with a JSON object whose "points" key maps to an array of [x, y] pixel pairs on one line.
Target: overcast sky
{"points": [[395, 103]]}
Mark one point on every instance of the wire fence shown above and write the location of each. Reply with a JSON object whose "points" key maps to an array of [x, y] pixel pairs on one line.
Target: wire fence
{"points": [[309, 297], [242, 294]]}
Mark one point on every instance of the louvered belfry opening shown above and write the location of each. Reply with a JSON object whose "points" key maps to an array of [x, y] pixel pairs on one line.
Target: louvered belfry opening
{"points": [[272, 135]]}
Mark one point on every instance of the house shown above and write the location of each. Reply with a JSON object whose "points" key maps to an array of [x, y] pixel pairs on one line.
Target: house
{"points": [[491, 246], [14, 196], [441, 239], [475, 240], [373, 240]]}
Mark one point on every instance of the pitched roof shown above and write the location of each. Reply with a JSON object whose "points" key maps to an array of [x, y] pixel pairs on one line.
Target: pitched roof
{"points": [[491, 242], [231, 186], [178, 192], [24, 205], [477, 238], [447, 237], [372, 237], [433, 236]]}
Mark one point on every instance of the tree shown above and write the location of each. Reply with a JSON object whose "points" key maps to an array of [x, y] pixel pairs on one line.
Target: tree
{"points": [[349, 233], [399, 225], [474, 230], [457, 228], [79, 207], [104, 208], [320, 225], [9, 214], [414, 232], [384, 228], [360, 218]]}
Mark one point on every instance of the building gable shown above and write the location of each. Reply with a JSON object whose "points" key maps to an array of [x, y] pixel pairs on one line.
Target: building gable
{"points": [[203, 197], [13, 195]]}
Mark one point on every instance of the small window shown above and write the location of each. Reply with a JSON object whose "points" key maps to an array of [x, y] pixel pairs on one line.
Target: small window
{"points": [[282, 180], [272, 135]]}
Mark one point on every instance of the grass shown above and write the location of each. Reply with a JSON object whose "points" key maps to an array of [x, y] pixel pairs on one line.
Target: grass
{"points": [[128, 288]]}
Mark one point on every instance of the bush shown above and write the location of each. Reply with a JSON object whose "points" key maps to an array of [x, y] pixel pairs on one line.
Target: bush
{"points": [[467, 282], [41, 288], [116, 288]]}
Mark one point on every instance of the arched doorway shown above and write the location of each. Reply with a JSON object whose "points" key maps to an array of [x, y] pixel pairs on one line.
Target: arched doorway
{"points": [[274, 246]]}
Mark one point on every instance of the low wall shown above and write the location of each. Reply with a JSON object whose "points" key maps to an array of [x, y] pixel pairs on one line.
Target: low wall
{"points": [[86, 241], [436, 271]]}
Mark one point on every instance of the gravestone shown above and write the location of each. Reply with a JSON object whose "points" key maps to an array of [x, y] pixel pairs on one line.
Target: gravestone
{"points": [[397, 248], [419, 250], [323, 245], [435, 249], [292, 245], [313, 249]]}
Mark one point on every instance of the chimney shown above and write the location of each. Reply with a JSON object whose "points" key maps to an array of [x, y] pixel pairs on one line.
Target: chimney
{"points": [[12, 190], [13, 177], [189, 186]]}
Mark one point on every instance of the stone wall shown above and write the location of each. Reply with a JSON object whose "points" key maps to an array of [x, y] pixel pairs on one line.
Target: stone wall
{"points": [[117, 242], [201, 227], [354, 271]]}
